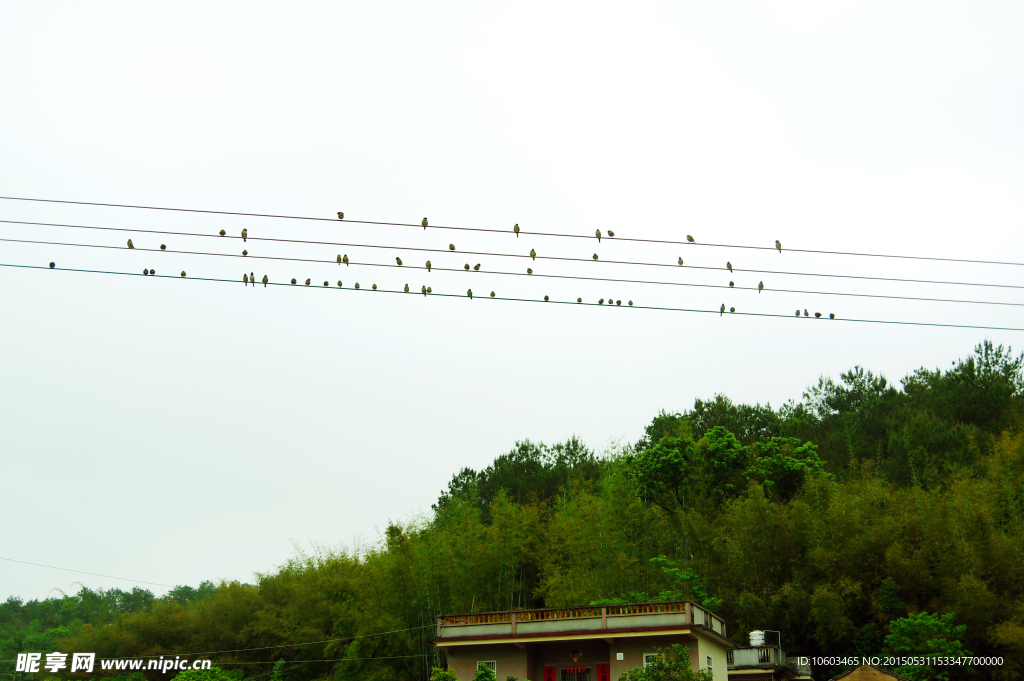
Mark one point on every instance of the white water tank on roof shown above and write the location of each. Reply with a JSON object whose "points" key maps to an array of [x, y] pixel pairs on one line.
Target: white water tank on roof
{"points": [[757, 638]]}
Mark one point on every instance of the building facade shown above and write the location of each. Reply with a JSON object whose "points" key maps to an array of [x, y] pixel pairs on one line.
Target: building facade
{"points": [[587, 643]]}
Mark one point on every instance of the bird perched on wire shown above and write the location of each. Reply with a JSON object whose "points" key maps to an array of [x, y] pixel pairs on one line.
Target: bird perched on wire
{"points": [[245, 234], [579, 300], [721, 310], [728, 266], [805, 313], [469, 292], [341, 216], [130, 244], [222, 232], [374, 287], [598, 235], [307, 282], [595, 256], [183, 273], [451, 247], [798, 313], [423, 290], [492, 294], [265, 281], [327, 283], [293, 280], [245, 252], [430, 290], [424, 223], [466, 267], [732, 309], [357, 285], [516, 230], [406, 288], [778, 245], [689, 238], [831, 315], [618, 302], [817, 315], [533, 254], [245, 278], [611, 233], [399, 261], [600, 301], [339, 283], [163, 247], [760, 287], [631, 303], [428, 265], [152, 271], [731, 284], [344, 259], [529, 270], [680, 262], [476, 267], [145, 271], [546, 299], [52, 265]]}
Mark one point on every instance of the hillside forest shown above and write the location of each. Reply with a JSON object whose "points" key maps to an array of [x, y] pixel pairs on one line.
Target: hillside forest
{"points": [[835, 519]]}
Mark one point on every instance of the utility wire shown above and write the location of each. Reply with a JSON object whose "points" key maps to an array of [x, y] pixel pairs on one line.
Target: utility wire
{"points": [[82, 572], [525, 274], [528, 300], [509, 231], [506, 255]]}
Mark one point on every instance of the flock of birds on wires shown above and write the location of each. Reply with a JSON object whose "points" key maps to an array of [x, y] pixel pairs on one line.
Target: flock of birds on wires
{"points": [[406, 261]]}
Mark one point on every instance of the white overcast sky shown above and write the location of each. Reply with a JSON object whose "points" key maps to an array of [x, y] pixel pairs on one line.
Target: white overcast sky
{"points": [[174, 431]]}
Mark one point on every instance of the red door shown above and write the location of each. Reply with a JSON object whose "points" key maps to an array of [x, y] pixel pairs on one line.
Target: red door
{"points": [[603, 672], [549, 674]]}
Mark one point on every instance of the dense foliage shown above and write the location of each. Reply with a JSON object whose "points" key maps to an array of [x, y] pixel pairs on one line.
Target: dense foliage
{"points": [[850, 521]]}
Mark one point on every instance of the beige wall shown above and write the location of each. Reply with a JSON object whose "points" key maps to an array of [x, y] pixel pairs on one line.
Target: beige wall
{"points": [[512, 661], [709, 647], [633, 650]]}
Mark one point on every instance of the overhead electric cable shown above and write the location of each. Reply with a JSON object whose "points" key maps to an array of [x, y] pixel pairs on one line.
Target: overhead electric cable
{"points": [[508, 231], [82, 572], [525, 274], [526, 300], [506, 255]]}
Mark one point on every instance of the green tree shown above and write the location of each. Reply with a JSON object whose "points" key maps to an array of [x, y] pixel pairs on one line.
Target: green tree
{"points": [[438, 674], [926, 634], [672, 664], [782, 464]]}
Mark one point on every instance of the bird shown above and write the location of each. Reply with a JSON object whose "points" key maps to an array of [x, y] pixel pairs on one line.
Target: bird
{"points": [[595, 256], [245, 278], [476, 267], [252, 278], [579, 300], [680, 262], [611, 233], [805, 313], [163, 247], [492, 294], [245, 252], [600, 301], [307, 282], [341, 216], [339, 283], [357, 284], [631, 303], [831, 315], [466, 267], [516, 230], [428, 265], [529, 270], [344, 259], [598, 235], [130, 244], [451, 247], [721, 310], [728, 266], [265, 281], [546, 299], [327, 283], [423, 290], [424, 223], [430, 290], [374, 287], [689, 238], [183, 273], [533, 254], [399, 261], [798, 313], [618, 302], [731, 284], [339, 258], [222, 232], [245, 234], [469, 292], [817, 315], [52, 265], [406, 288], [152, 271], [778, 245], [732, 309], [760, 287], [293, 280]]}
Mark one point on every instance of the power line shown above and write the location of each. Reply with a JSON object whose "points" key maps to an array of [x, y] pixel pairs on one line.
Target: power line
{"points": [[508, 231], [498, 255], [82, 572], [532, 300], [525, 274]]}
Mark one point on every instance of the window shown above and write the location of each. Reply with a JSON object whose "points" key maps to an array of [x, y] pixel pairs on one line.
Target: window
{"points": [[492, 665], [649, 657], [709, 663], [576, 673]]}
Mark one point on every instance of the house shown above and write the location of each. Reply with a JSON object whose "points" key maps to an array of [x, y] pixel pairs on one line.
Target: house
{"points": [[585, 643], [761, 662]]}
